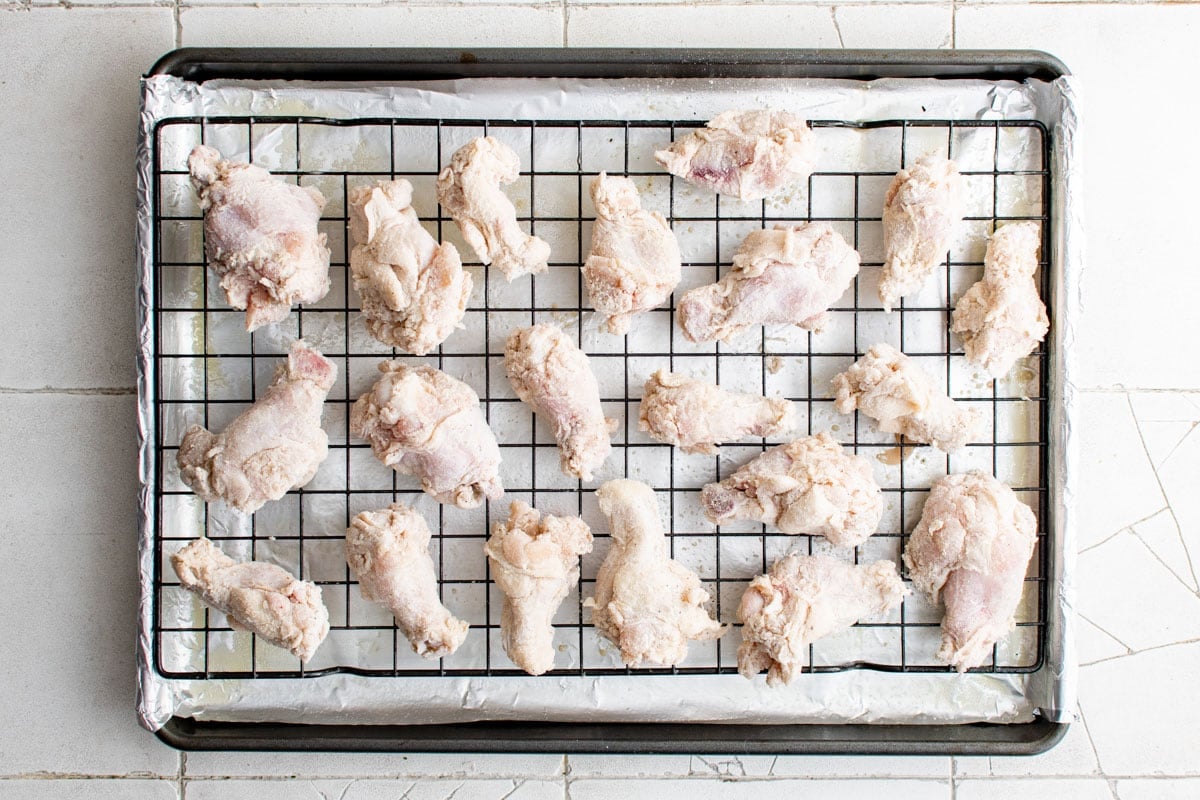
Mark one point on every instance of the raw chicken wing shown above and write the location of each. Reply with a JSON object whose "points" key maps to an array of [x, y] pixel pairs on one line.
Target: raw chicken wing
{"points": [[258, 597], [789, 276], [535, 563], [802, 599], [414, 291], [388, 551], [889, 387], [744, 154], [647, 604], [970, 551], [422, 422], [697, 416], [469, 190], [921, 210], [260, 236], [634, 263], [810, 486], [1002, 318], [272, 447], [552, 375]]}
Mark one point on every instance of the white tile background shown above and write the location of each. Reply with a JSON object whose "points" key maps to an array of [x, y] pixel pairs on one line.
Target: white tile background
{"points": [[67, 471]]}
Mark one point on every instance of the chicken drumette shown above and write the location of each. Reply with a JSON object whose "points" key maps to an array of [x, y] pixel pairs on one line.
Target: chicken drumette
{"points": [[552, 375], [634, 263], [810, 486], [970, 551], [788, 276], [260, 237], [647, 604], [697, 416], [469, 190], [414, 291], [744, 154], [1002, 317], [921, 210], [535, 563], [802, 599], [889, 387], [258, 597], [272, 447], [422, 422], [388, 551]]}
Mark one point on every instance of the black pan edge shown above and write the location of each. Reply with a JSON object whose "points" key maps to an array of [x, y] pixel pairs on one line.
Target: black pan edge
{"points": [[623, 738], [394, 64]]}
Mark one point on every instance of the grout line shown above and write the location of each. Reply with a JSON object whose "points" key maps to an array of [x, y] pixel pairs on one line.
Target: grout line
{"points": [[1111, 536], [1122, 389], [616, 4], [568, 780], [1137, 425], [566, 16], [88, 776], [1170, 570], [177, 15], [27, 5], [1133, 653], [1091, 742], [101, 391], [850, 776], [565, 5], [836, 27]]}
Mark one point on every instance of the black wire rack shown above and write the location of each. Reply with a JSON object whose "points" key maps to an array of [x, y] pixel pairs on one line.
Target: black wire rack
{"points": [[207, 370]]}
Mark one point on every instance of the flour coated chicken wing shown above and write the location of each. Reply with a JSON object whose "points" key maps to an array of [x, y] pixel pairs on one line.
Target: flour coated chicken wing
{"points": [[801, 599], [469, 189], [646, 603], [422, 422], [260, 236], [634, 261], [413, 290], [812, 486], [697, 416], [970, 551], [535, 563], [744, 154], [256, 596], [921, 211], [272, 447], [787, 276], [892, 389], [388, 552], [553, 376], [1002, 318]]}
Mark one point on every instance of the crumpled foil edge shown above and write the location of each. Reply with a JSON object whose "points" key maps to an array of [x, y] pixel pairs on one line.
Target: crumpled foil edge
{"points": [[936, 698]]}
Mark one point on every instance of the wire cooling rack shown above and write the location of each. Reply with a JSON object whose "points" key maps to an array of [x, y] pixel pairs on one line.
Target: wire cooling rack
{"points": [[208, 369]]}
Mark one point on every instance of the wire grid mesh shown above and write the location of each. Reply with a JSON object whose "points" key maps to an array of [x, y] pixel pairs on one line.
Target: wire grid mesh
{"points": [[208, 370]]}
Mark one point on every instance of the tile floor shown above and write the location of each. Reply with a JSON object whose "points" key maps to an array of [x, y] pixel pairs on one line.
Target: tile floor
{"points": [[67, 471]]}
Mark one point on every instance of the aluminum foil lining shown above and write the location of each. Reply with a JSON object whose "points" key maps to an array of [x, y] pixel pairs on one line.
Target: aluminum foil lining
{"points": [[861, 696]]}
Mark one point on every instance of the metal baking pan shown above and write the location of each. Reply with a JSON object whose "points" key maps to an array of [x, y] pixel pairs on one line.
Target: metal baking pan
{"points": [[383, 65]]}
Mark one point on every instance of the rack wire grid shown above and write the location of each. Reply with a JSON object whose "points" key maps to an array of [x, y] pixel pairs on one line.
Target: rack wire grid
{"points": [[208, 369]]}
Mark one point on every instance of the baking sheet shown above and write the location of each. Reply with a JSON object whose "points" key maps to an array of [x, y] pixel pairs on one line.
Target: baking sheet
{"points": [[856, 695]]}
